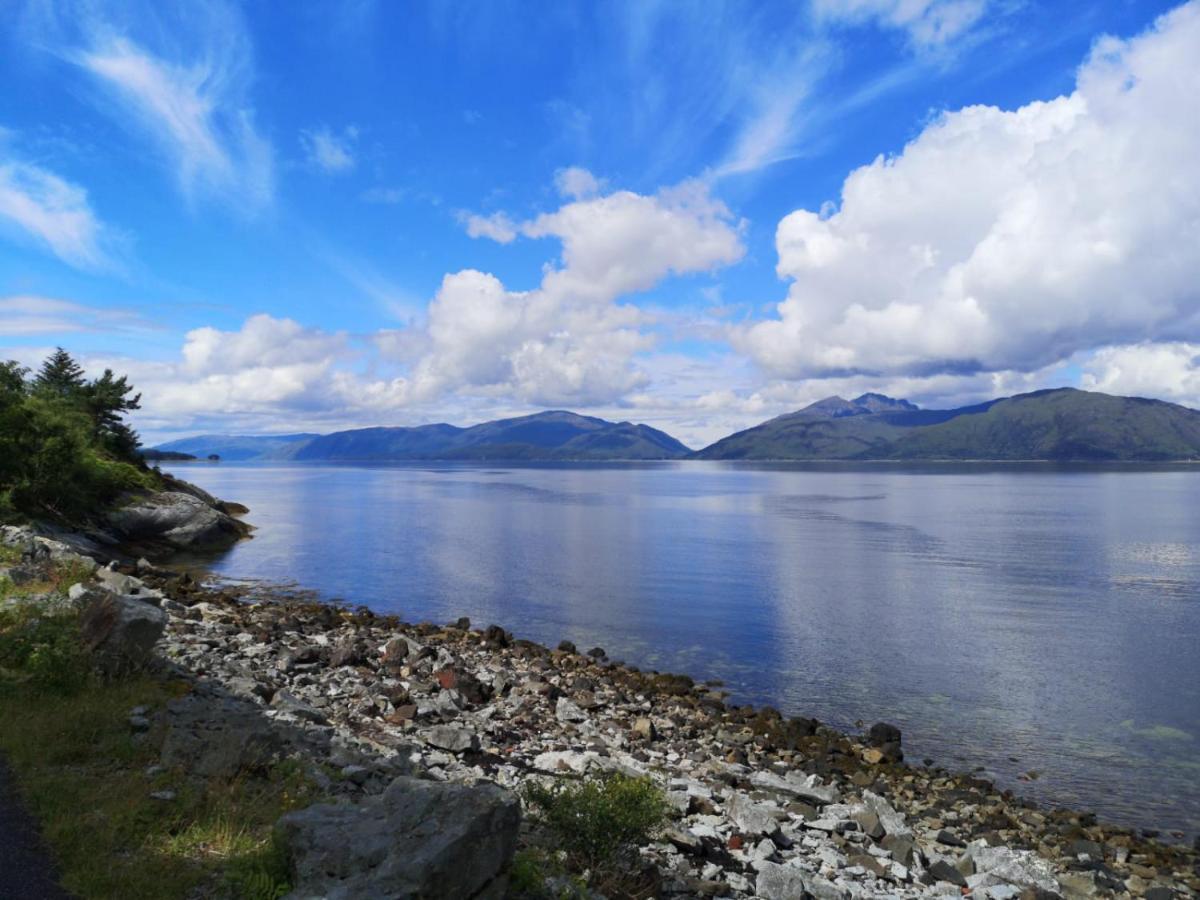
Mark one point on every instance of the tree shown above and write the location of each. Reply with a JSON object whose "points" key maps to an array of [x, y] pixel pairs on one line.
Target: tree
{"points": [[60, 376], [65, 451], [107, 402]]}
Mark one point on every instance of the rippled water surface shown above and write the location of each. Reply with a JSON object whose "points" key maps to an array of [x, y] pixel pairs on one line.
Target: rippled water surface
{"points": [[1017, 618]]}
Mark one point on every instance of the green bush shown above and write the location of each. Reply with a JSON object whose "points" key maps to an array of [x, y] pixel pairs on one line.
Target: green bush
{"points": [[598, 820], [43, 650]]}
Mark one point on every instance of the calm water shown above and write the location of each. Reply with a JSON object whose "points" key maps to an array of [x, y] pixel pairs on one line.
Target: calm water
{"points": [[1016, 618]]}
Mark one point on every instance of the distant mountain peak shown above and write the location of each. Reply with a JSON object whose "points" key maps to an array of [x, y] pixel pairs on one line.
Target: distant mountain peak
{"points": [[832, 407], [883, 403], [836, 407]]}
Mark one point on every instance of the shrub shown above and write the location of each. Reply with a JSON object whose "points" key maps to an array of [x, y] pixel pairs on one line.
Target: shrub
{"points": [[44, 650], [598, 820]]}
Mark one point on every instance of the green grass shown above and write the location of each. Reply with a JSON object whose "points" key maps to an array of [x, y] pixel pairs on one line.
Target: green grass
{"points": [[83, 774]]}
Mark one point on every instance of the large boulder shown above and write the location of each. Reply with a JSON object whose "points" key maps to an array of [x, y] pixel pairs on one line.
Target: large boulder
{"points": [[419, 838], [175, 520], [120, 631]]}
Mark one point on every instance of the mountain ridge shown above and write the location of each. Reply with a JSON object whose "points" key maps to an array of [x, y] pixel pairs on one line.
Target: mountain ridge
{"points": [[547, 435], [1063, 424], [1054, 424]]}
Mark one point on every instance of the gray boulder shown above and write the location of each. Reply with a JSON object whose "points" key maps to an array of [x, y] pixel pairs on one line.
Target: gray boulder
{"points": [[419, 839], [120, 631], [180, 521], [456, 740], [751, 818], [778, 882]]}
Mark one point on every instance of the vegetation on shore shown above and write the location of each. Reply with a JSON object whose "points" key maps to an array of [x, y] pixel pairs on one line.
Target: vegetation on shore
{"points": [[588, 833], [65, 449], [118, 825]]}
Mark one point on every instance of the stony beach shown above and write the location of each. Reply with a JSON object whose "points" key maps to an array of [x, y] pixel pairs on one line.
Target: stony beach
{"points": [[762, 805]]}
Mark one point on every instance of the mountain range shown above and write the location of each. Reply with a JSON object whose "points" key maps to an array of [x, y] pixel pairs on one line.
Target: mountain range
{"points": [[542, 436], [1060, 424]]}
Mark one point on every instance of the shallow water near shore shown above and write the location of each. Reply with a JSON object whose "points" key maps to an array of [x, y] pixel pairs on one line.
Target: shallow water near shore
{"points": [[1022, 618]]}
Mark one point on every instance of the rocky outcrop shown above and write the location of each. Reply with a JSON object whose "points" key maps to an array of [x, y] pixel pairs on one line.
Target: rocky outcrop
{"points": [[174, 520], [419, 839]]}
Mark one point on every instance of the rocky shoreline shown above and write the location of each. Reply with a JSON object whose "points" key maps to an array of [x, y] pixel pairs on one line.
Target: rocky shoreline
{"points": [[763, 805]]}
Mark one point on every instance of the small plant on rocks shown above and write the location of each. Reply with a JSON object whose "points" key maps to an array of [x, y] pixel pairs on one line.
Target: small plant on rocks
{"points": [[599, 823]]}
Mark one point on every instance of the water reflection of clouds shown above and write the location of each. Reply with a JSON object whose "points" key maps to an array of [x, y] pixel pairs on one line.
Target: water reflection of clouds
{"points": [[991, 613], [1158, 554]]}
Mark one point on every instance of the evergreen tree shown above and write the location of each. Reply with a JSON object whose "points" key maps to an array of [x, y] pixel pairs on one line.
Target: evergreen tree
{"points": [[107, 402], [60, 376], [65, 450]]}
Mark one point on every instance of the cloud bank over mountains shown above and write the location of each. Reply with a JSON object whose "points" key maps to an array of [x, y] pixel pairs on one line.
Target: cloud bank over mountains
{"points": [[999, 250], [1001, 240]]}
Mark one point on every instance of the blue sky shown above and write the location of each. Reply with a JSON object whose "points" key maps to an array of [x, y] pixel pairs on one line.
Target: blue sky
{"points": [[285, 216]]}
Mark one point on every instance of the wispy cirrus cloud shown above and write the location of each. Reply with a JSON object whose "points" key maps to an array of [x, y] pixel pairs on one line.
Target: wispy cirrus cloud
{"points": [[929, 24], [330, 151], [27, 314], [177, 75], [52, 212]]}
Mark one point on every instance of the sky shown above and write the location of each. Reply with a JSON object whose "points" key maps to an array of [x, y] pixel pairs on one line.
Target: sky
{"points": [[697, 215]]}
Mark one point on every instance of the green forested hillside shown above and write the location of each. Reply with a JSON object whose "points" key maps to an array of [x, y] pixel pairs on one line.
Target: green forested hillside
{"points": [[1062, 424]]}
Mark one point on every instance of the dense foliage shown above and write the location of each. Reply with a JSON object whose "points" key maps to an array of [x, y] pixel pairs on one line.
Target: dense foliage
{"points": [[65, 449]]}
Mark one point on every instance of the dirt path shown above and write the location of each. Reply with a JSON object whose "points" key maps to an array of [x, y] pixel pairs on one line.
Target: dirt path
{"points": [[26, 869]]}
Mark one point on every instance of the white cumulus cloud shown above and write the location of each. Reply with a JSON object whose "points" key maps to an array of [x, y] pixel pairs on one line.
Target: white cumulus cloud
{"points": [[497, 227], [1168, 371], [576, 182], [569, 340], [1009, 240]]}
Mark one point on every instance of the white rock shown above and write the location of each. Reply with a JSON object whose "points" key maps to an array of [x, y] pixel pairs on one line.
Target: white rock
{"points": [[1019, 867], [566, 711], [750, 817], [893, 823], [557, 761], [810, 788]]}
